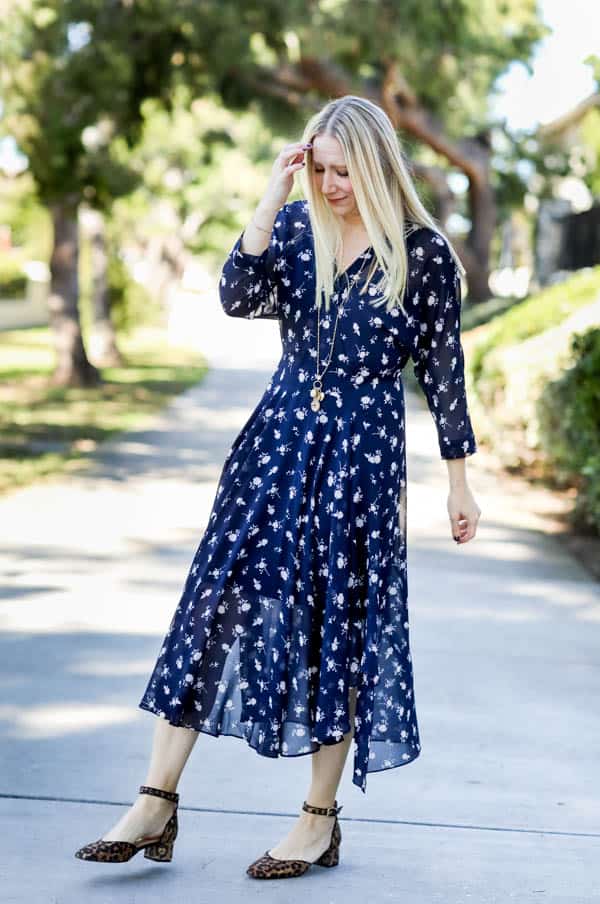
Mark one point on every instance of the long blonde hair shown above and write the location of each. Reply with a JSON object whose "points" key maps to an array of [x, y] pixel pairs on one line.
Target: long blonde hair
{"points": [[385, 195]]}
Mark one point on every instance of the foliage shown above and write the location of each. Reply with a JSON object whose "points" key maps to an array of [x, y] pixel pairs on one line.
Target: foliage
{"points": [[536, 314], [568, 411], [131, 305], [65, 96], [567, 148], [590, 134], [473, 315], [204, 170], [12, 278], [450, 52], [533, 378], [79, 70]]}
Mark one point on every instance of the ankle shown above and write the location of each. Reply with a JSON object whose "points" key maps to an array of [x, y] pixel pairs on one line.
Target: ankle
{"points": [[145, 803], [316, 824]]}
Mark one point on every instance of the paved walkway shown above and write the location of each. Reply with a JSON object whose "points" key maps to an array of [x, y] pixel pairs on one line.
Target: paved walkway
{"points": [[504, 801]]}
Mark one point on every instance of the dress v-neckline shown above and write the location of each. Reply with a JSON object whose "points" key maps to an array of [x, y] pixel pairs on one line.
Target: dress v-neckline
{"points": [[409, 227], [358, 257]]}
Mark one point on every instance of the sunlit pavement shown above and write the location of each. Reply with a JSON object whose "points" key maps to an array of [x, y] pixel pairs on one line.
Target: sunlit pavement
{"points": [[504, 801]]}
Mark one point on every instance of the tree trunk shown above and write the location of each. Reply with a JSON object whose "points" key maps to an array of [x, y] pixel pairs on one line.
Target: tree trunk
{"points": [[104, 351], [72, 366], [475, 251], [472, 156], [477, 247], [442, 197]]}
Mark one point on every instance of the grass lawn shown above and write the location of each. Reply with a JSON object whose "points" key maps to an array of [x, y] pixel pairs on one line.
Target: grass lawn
{"points": [[45, 429]]}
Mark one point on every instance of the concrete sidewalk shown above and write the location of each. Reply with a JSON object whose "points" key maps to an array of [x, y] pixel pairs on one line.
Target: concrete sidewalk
{"points": [[504, 801]]}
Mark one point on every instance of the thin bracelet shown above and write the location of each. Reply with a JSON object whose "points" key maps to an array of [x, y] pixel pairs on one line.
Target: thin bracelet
{"points": [[268, 231]]}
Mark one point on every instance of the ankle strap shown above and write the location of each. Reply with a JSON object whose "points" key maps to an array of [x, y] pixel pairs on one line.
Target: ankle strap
{"points": [[158, 792], [322, 811]]}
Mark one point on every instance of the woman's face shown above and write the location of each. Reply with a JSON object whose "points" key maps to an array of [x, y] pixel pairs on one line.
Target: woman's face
{"points": [[330, 176]]}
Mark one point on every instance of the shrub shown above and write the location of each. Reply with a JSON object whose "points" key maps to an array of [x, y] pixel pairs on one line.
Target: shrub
{"points": [[569, 417], [131, 304], [536, 314], [13, 281]]}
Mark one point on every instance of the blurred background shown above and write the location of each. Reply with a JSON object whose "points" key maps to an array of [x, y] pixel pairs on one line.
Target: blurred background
{"points": [[137, 136]]}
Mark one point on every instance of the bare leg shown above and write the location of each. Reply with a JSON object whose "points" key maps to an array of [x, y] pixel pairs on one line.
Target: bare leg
{"points": [[171, 748], [310, 835]]}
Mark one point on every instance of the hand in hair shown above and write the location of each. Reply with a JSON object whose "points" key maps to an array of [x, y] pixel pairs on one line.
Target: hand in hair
{"points": [[287, 163]]}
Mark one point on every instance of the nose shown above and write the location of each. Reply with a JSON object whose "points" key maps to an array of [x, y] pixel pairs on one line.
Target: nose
{"points": [[328, 183]]}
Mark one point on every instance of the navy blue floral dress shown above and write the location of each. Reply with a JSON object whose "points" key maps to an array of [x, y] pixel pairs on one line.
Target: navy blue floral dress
{"points": [[298, 588]]}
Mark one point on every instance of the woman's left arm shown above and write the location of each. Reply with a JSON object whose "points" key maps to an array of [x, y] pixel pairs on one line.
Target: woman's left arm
{"points": [[439, 368]]}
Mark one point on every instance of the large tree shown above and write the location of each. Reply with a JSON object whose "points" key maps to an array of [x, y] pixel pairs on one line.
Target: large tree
{"points": [[432, 66], [66, 95], [76, 72], [74, 76]]}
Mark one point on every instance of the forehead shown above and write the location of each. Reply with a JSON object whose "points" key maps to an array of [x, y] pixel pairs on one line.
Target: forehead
{"points": [[327, 149]]}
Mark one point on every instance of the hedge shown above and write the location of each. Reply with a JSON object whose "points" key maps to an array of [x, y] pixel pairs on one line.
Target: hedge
{"points": [[534, 387], [569, 416]]}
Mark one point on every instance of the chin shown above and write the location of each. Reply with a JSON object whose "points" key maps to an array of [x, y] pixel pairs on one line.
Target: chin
{"points": [[344, 205]]}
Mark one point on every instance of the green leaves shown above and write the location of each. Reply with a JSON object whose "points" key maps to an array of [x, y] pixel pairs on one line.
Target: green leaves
{"points": [[44, 17], [568, 411]]}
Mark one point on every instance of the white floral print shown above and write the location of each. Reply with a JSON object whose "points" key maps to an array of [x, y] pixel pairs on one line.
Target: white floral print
{"points": [[298, 588]]}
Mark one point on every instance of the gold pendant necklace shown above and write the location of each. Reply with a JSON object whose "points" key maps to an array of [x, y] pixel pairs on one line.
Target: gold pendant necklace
{"points": [[316, 393]]}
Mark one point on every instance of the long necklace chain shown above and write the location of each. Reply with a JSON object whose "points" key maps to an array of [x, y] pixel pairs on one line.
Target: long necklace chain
{"points": [[317, 394]]}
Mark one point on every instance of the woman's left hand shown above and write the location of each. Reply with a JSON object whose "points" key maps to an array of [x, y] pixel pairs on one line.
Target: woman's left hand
{"points": [[464, 513]]}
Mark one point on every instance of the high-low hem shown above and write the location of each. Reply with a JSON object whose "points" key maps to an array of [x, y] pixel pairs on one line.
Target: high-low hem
{"points": [[222, 732]]}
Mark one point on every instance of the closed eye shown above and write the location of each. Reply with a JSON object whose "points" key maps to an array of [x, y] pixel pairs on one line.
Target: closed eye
{"points": [[343, 174]]}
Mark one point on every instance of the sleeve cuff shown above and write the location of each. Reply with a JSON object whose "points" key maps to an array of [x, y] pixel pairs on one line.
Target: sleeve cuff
{"points": [[244, 260], [460, 449]]}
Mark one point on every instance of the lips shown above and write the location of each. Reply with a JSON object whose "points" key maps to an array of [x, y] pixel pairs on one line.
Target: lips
{"points": [[333, 200]]}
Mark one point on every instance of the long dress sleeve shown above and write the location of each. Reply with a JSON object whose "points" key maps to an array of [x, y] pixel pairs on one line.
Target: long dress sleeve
{"points": [[438, 354], [250, 284]]}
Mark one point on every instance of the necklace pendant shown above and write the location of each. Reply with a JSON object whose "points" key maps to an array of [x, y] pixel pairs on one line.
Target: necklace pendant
{"points": [[317, 395]]}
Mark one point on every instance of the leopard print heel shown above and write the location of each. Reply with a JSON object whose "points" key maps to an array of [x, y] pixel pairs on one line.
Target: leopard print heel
{"points": [[155, 847], [267, 867], [331, 857]]}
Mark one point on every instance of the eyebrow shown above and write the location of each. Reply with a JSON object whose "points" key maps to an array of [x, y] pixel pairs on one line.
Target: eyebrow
{"points": [[337, 165]]}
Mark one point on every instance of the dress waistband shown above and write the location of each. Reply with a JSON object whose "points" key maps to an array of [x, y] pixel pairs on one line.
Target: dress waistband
{"points": [[299, 375]]}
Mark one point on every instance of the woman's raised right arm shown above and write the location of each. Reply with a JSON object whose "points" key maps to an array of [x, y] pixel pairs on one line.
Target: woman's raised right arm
{"points": [[249, 280]]}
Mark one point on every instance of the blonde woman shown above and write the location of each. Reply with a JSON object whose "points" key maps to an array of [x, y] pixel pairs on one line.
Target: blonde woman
{"points": [[292, 628]]}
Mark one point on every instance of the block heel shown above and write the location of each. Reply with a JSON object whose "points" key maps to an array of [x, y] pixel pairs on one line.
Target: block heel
{"points": [[331, 857], [162, 853]]}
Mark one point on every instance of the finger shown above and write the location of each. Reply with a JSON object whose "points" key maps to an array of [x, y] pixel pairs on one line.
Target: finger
{"points": [[293, 144], [457, 518], [469, 532], [455, 528], [292, 151], [293, 168], [297, 160], [461, 527]]}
